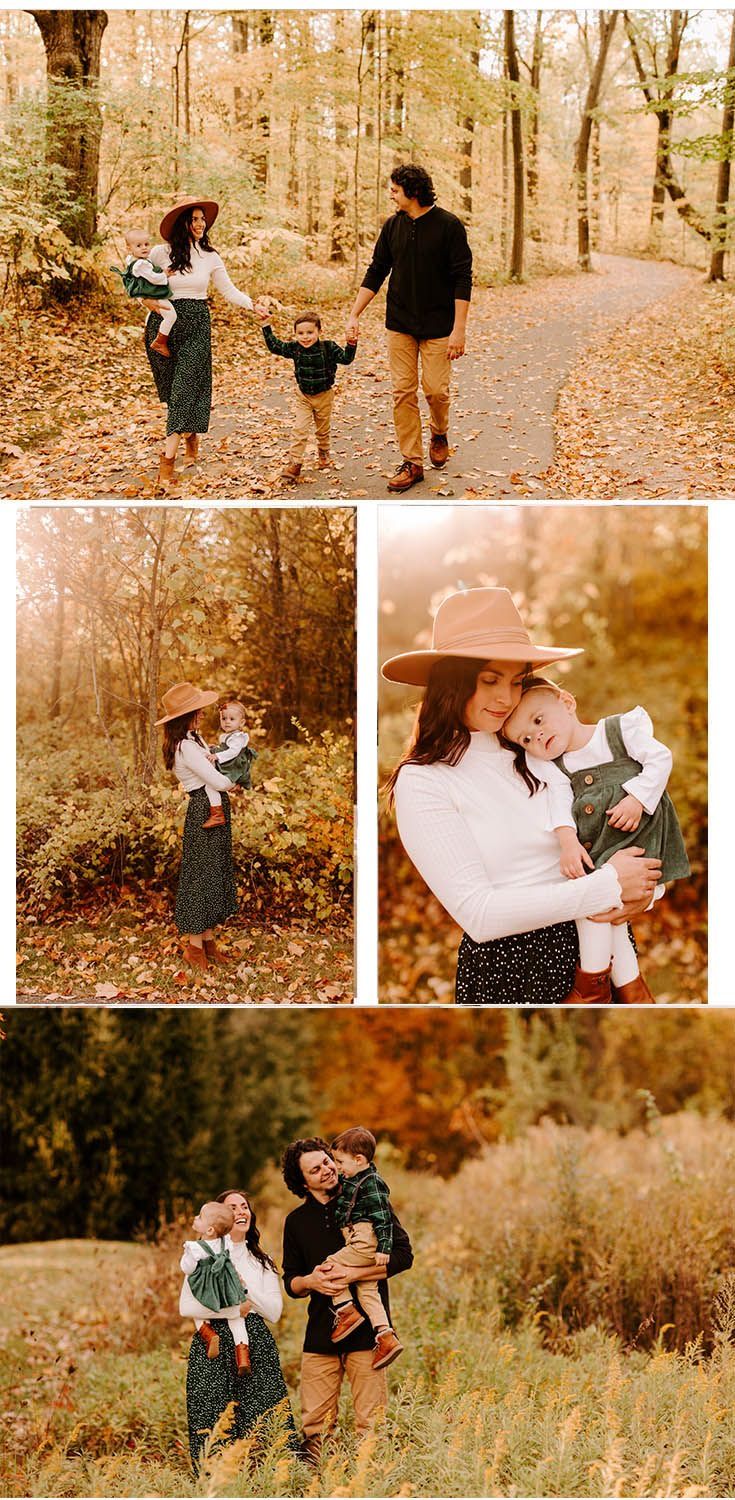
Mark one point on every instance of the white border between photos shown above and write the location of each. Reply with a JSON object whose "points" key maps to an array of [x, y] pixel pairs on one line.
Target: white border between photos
{"points": [[721, 739]]}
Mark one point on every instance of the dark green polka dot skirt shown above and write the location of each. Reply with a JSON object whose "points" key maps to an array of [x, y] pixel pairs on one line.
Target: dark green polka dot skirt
{"points": [[207, 893], [184, 380], [212, 1384]]}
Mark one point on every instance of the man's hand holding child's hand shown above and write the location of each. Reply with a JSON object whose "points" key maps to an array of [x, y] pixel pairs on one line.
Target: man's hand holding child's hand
{"points": [[626, 814], [574, 856]]}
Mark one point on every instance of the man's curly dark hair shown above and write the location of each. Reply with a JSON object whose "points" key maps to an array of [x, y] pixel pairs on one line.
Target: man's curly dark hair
{"points": [[291, 1164], [416, 183]]}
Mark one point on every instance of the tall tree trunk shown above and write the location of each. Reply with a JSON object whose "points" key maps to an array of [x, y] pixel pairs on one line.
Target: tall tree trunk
{"points": [[261, 147], [504, 178], [57, 649], [727, 149], [73, 42], [337, 248], [396, 72], [467, 123], [516, 131], [607, 21], [532, 180], [240, 46], [664, 164], [595, 175]]}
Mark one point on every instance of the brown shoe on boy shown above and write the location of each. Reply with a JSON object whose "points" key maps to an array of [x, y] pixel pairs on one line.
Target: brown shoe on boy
{"points": [[346, 1320], [387, 1348]]}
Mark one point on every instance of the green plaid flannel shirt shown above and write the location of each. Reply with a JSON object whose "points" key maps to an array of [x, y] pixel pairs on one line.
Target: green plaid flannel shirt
{"points": [[366, 1197], [314, 368]]}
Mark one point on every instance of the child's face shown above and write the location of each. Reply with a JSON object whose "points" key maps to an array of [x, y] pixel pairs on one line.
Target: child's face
{"points": [[307, 334], [203, 1221], [138, 243], [230, 718], [542, 723], [348, 1165]]}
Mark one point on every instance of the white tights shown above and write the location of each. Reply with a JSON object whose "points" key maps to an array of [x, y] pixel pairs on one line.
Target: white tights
{"points": [[599, 943]]}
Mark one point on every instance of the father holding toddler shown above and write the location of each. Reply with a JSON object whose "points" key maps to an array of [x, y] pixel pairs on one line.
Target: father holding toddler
{"points": [[326, 1249]]}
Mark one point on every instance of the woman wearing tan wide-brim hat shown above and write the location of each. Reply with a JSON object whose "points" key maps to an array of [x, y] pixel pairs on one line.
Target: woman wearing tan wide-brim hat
{"points": [[207, 893], [470, 822], [184, 378]]}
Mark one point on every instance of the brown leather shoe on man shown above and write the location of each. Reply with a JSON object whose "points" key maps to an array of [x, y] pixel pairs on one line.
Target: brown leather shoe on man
{"points": [[160, 344], [438, 449], [406, 475], [635, 992], [324, 459], [216, 818], [198, 960], [387, 1348], [211, 1340], [590, 989], [291, 473], [346, 1320], [242, 1358]]}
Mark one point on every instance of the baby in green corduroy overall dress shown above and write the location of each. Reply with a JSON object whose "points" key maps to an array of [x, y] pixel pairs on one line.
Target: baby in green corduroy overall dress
{"points": [[214, 1282], [607, 791], [149, 284]]}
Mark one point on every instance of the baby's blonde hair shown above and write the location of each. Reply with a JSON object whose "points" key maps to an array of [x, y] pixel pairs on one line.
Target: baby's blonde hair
{"points": [[221, 1217], [131, 229]]}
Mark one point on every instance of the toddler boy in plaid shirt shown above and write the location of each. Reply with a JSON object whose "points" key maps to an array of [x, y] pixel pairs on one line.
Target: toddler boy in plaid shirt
{"points": [[315, 366], [363, 1213]]}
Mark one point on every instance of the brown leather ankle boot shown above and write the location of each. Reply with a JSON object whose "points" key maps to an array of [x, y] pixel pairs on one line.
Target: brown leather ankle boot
{"points": [[197, 958], [635, 992], [216, 818], [242, 1359], [215, 954], [165, 475], [191, 449], [590, 989], [211, 1340]]}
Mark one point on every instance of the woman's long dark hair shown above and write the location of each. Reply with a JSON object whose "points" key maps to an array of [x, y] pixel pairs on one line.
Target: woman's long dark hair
{"points": [[180, 241], [252, 1238], [440, 733], [173, 733]]}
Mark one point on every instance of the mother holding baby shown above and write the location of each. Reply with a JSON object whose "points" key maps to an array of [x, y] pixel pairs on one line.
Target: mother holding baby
{"points": [[469, 823], [207, 894], [184, 376], [214, 1386]]}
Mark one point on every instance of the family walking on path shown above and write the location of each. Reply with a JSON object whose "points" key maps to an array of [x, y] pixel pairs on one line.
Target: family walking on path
{"points": [[329, 1245], [422, 249], [540, 835]]}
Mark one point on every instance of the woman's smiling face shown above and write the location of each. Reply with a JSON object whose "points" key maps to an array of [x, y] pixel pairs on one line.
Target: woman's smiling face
{"points": [[198, 224], [497, 693], [241, 1210]]}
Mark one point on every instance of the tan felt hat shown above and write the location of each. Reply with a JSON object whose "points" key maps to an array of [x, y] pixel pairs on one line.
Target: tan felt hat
{"points": [[482, 624], [209, 208], [184, 698]]}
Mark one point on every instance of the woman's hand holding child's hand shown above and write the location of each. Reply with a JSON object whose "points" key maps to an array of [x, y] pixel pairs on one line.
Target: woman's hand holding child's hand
{"points": [[626, 814], [574, 856], [262, 309]]}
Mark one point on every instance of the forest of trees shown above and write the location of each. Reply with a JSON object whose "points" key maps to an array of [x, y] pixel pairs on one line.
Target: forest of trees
{"points": [[553, 133], [97, 1106], [114, 607], [629, 584]]}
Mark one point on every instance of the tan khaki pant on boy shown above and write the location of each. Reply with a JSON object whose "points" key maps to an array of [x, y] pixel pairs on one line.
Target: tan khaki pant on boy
{"points": [[311, 412], [359, 1250], [404, 352], [321, 1382]]}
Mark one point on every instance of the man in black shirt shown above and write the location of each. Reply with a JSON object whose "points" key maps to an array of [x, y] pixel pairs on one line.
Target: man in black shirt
{"points": [[425, 250], [310, 1236]]}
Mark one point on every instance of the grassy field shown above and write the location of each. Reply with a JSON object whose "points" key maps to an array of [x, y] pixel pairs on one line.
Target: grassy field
{"points": [[569, 1329]]}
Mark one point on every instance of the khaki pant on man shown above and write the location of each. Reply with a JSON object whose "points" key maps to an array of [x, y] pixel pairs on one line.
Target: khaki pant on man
{"points": [[311, 412], [321, 1382], [359, 1250], [403, 358]]}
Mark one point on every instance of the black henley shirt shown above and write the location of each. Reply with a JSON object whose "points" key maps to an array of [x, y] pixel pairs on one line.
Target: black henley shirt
{"points": [[310, 1235], [430, 266]]}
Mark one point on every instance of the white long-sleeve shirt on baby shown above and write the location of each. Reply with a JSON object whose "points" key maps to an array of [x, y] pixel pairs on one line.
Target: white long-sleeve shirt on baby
{"points": [[648, 785], [235, 742], [262, 1282], [147, 270], [206, 266]]}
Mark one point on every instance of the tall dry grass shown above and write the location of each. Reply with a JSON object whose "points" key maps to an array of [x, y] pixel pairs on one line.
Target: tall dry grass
{"points": [[538, 1357]]}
